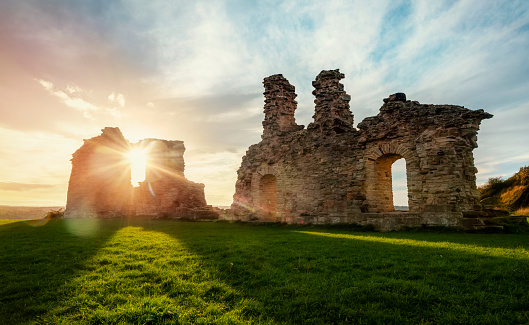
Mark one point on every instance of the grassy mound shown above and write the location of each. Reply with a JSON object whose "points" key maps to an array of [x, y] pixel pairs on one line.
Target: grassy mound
{"points": [[166, 272], [511, 194]]}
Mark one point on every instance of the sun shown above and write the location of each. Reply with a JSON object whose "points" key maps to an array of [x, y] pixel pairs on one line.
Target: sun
{"points": [[138, 165]]}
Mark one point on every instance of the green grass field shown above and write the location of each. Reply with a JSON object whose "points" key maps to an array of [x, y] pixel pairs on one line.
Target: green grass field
{"points": [[167, 272]]}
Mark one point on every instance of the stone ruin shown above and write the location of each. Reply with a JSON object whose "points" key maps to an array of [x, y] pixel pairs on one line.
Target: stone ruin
{"points": [[332, 172], [100, 182]]}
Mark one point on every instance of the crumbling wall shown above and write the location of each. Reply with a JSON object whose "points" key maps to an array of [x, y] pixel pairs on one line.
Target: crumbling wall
{"points": [[333, 172], [100, 182], [436, 142], [165, 191]]}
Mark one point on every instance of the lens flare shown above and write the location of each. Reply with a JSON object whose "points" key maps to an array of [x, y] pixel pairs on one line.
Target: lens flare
{"points": [[37, 222], [151, 190], [138, 165]]}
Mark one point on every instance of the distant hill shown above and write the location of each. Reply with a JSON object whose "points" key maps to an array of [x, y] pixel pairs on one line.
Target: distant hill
{"points": [[18, 212], [511, 194]]}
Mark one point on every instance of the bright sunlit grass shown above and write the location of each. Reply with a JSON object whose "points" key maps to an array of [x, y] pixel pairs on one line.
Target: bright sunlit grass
{"points": [[167, 272], [138, 163], [517, 253]]}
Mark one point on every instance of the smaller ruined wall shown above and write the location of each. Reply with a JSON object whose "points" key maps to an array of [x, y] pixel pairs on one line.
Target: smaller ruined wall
{"points": [[165, 158], [99, 184], [165, 191]]}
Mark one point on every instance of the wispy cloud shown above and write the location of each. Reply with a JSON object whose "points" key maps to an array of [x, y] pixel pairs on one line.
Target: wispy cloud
{"points": [[68, 99], [117, 98], [73, 97], [20, 187]]}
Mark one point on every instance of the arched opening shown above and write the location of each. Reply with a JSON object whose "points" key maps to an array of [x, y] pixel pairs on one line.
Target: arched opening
{"points": [[387, 190], [268, 196], [400, 185]]}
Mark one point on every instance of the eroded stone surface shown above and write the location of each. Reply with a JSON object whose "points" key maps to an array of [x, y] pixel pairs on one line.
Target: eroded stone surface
{"points": [[100, 182], [332, 172]]}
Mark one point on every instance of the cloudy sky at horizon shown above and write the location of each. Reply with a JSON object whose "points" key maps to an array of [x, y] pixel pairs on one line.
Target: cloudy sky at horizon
{"points": [[193, 71]]}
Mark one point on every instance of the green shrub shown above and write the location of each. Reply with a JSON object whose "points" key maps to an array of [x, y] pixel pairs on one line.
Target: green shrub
{"points": [[522, 177]]}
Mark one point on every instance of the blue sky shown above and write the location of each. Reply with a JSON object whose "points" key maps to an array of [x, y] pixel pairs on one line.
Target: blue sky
{"points": [[193, 71]]}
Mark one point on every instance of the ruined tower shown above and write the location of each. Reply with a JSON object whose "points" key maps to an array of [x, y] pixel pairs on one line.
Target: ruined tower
{"points": [[331, 103], [334, 173], [280, 106]]}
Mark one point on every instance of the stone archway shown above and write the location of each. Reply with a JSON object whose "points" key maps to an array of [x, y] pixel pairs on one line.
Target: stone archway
{"points": [[399, 182], [379, 180], [383, 189], [268, 196]]}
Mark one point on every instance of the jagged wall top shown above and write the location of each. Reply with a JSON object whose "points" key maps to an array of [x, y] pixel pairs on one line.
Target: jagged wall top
{"points": [[332, 111], [280, 106], [111, 138], [332, 172], [445, 120]]}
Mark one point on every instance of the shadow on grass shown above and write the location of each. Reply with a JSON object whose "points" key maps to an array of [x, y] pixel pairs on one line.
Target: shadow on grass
{"points": [[191, 272], [291, 276], [38, 257]]}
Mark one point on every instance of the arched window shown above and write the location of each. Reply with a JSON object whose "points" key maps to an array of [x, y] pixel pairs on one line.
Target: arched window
{"points": [[381, 193], [399, 184]]}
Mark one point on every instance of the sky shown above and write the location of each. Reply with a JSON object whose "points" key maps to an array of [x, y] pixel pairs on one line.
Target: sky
{"points": [[193, 71]]}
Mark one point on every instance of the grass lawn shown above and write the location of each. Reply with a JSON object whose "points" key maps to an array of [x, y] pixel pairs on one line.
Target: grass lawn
{"points": [[167, 272]]}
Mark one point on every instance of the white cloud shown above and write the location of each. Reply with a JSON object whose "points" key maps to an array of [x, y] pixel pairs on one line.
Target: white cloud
{"points": [[117, 98], [72, 97], [48, 85], [68, 99], [73, 89]]}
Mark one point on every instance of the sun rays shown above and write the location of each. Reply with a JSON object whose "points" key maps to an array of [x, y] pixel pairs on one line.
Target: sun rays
{"points": [[149, 162], [138, 165]]}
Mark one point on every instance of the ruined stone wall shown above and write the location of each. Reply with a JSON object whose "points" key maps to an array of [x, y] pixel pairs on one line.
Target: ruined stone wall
{"points": [[332, 172], [436, 142], [165, 191], [100, 182]]}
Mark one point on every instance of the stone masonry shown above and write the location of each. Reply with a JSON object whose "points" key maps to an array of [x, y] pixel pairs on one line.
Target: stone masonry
{"points": [[100, 182], [332, 172]]}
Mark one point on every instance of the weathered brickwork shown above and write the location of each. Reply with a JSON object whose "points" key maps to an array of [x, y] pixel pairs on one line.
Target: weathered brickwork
{"points": [[165, 192], [100, 182], [331, 172]]}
